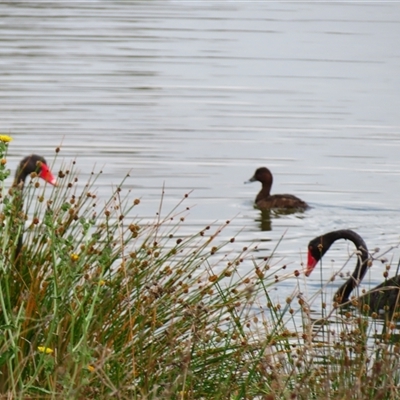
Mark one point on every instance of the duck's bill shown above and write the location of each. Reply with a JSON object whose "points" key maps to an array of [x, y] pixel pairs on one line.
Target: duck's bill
{"points": [[252, 179], [47, 175], [311, 263]]}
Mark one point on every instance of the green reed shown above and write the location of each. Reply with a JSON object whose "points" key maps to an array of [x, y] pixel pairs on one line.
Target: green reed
{"points": [[102, 303]]}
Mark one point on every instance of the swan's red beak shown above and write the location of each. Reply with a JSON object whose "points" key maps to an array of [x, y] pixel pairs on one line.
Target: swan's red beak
{"points": [[47, 175], [311, 263]]}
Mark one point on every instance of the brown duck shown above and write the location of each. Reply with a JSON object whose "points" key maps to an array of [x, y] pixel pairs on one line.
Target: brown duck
{"points": [[266, 201]]}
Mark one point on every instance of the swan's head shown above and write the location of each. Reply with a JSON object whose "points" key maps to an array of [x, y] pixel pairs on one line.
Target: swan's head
{"points": [[37, 164], [316, 250]]}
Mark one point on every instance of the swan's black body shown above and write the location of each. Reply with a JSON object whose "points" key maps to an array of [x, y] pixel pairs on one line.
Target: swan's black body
{"points": [[384, 297]]}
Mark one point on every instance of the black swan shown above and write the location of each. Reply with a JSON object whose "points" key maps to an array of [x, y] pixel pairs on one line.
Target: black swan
{"points": [[266, 201], [28, 165], [384, 297]]}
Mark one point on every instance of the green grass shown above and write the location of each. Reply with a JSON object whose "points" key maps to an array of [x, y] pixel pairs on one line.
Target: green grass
{"points": [[101, 304]]}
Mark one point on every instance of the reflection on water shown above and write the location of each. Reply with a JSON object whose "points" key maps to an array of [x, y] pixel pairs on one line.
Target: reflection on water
{"points": [[267, 217], [265, 220], [349, 327]]}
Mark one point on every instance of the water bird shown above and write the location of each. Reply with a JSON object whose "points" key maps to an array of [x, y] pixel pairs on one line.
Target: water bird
{"points": [[382, 298], [266, 201], [28, 165]]}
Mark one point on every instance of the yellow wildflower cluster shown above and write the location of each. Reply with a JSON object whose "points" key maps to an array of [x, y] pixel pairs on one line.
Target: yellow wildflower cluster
{"points": [[74, 257], [46, 350], [5, 138], [91, 368]]}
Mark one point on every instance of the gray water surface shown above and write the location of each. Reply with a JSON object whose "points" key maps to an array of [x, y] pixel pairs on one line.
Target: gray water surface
{"points": [[194, 96]]}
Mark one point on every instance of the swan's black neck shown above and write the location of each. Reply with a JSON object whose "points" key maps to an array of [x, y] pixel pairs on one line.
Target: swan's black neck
{"points": [[343, 293], [18, 207], [29, 164], [20, 178], [19, 182]]}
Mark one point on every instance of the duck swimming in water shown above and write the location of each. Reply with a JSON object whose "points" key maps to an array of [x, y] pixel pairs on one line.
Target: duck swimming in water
{"points": [[266, 201]]}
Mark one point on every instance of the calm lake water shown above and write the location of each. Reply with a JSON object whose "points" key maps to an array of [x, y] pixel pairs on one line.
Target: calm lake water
{"points": [[196, 95]]}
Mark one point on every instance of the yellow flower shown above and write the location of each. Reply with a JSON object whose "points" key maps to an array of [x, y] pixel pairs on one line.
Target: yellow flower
{"points": [[101, 282], [5, 138], [74, 257], [46, 350], [91, 368]]}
